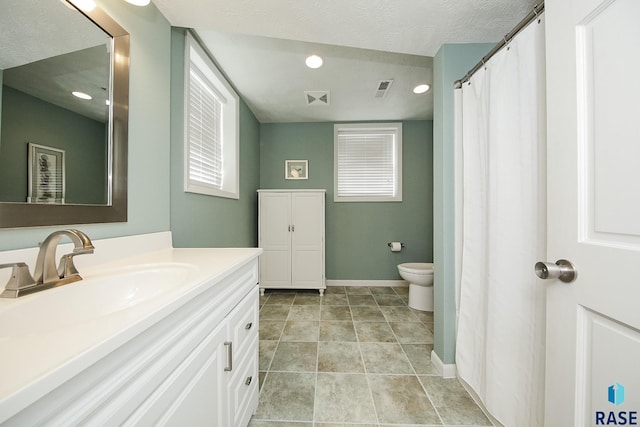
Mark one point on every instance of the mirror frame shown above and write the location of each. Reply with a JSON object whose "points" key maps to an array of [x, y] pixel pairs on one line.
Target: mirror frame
{"points": [[14, 215]]}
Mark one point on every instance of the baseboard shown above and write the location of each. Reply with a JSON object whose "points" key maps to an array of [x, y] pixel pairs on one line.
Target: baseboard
{"points": [[445, 371], [368, 283]]}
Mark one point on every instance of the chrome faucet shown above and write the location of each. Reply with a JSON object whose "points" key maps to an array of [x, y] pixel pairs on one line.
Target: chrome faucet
{"points": [[46, 275]]}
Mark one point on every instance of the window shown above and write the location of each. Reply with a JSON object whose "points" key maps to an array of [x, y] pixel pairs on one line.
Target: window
{"points": [[368, 162], [211, 155]]}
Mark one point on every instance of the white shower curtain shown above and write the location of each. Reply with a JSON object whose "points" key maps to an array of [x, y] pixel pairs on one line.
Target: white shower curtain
{"points": [[501, 318]]}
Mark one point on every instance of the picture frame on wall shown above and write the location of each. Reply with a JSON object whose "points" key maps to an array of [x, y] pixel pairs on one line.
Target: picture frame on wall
{"points": [[46, 169], [296, 169]]}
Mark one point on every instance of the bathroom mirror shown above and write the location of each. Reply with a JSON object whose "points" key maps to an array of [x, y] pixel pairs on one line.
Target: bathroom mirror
{"points": [[63, 159]]}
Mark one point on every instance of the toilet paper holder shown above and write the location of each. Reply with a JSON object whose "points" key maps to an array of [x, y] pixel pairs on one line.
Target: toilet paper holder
{"points": [[401, 244]]}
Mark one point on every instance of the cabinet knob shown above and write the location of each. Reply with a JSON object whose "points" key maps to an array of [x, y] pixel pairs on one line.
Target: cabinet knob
{"points": [[248, 326], [229, 346], [248, 381]]}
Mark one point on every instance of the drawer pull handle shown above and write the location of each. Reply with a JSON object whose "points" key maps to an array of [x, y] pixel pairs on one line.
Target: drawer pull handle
{"points": [[229, 346], [248, 326], [248, 381]]}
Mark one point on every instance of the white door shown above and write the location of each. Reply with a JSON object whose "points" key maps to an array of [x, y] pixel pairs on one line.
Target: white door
{"points": [[275, 239], [593, 115], [307, 240]]}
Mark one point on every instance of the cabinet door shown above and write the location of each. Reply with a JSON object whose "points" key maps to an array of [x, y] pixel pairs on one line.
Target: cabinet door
{"points": [[307, 240], [195, 394], [275, 239]]}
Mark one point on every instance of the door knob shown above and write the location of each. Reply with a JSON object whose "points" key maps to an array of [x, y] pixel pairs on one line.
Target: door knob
{"points": [[562, 269]]}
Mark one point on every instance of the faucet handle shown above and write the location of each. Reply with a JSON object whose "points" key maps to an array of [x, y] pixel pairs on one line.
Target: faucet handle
{"points": [[67, 268], [20, 279]]}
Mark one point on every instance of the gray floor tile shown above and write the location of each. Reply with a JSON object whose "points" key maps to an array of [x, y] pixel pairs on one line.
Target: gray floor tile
{"points": [[381, 290], [420, 357], [424, 316], [399, 314], [385, 358], [274, 312], [357, 290], [307, 299], [295, 357], [280, 299], [365, 313], [335, 312], [389, 300], [374, 332], [266, 351], [344, 398], [287, 396], [300, 330], [335, 299], [357, 299], [400, 399], [314, 352], [331, 290], [304, 312], [337, 331], [339, 357], [453, 403], [412, 333], [271, 330]]}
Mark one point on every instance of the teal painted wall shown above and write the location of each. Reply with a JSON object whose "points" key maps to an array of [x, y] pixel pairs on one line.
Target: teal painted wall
{"points": [[28, 119], [451, 63], [149, 131], [206, 221], [357, 233]]}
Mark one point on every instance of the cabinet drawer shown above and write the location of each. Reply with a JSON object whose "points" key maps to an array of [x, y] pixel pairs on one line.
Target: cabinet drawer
{"points": [[243, 387], [243, 321]]}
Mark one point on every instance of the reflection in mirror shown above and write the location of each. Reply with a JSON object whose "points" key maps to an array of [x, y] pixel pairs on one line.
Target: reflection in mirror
{"points": [[77, 174]]}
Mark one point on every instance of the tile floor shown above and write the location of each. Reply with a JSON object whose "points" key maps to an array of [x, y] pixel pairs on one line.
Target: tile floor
{"points": [[357, 356]]}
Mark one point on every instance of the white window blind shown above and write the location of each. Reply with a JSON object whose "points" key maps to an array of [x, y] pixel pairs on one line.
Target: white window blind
{"points": [[211, 127], [205, 132], [368, 164]]}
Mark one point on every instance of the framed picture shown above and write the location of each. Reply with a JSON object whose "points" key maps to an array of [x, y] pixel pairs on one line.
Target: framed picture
{"points": [[46, 174], [296, 169]]}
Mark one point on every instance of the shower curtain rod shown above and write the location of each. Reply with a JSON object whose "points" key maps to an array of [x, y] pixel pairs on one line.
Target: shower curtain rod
{"points": [[537, 10]]}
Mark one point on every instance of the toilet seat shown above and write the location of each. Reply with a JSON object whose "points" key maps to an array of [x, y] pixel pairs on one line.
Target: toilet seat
{"points": [[425, 268]]}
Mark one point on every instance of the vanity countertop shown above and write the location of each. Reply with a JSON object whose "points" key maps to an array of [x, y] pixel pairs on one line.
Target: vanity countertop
{"points": [[40, 354]]}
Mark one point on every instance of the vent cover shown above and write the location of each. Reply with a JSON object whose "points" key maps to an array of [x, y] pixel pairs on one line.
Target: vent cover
{"points": [[317, 97], [383, 88]]}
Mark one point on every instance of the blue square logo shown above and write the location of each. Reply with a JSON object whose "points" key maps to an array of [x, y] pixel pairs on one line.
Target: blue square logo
{"points": [[616, 394]]}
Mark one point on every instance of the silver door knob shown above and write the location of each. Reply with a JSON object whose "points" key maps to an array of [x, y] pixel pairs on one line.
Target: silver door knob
{"points": [[562, 269]]}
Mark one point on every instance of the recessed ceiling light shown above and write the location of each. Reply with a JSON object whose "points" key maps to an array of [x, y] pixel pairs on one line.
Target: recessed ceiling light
{"points": [[139, 2], [313, 61], [421, 89], [81, 95]]}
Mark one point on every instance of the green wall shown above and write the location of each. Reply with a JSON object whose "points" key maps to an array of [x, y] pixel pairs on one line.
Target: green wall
{"points": [[357, 233], [451, 63], [149, 131], [205, 221], [28, 119]]}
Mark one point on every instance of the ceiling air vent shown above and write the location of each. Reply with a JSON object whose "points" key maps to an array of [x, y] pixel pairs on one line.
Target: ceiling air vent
{"points": [[383, 88], [317, 97]]}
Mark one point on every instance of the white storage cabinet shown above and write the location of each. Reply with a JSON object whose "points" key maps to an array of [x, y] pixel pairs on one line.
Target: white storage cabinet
{"points": [[291, 232]]}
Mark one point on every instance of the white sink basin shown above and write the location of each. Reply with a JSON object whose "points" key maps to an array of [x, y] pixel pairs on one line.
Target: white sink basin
{"points": [[98, 294]]}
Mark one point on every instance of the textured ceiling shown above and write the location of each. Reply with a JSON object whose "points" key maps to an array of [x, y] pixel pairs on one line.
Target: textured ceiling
{"points": [[261, 46]]}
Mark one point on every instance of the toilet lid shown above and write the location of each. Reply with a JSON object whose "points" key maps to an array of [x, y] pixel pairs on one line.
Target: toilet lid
{"points": [[418, 267]]}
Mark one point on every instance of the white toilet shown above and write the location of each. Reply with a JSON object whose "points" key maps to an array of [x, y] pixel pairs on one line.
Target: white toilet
{"points": [[420, 278]]}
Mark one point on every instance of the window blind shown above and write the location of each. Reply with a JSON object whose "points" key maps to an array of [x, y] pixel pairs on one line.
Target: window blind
{"points": [[205, 132], [366, 163]]}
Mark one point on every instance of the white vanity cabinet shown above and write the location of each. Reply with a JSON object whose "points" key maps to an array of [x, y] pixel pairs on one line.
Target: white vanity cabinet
{"points": [[292, 234], [195, 366]]}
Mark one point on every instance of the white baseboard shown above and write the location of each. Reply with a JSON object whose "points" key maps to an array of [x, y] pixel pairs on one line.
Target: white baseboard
{"points": [[369, 283], [445, 371]]}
